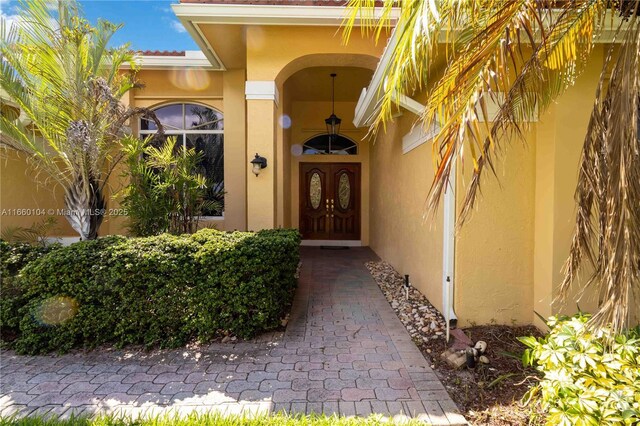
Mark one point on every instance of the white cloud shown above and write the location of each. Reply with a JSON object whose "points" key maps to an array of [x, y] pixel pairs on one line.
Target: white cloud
{"points": [[178, 27], [163, 9], [9, 19], [7, 12]]}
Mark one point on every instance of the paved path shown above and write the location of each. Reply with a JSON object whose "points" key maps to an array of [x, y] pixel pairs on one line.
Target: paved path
{"points": [[344, 351]]}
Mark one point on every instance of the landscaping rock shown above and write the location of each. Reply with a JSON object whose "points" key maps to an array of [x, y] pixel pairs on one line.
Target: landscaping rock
{"points": [[422, 320], [454, 358]]}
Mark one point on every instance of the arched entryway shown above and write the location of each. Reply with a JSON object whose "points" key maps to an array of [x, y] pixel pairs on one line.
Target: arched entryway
{"points": [[326, 180]]}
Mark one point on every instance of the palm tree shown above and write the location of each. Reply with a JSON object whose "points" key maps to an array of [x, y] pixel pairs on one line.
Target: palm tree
{"points": [[522, 55], [65, 78]]}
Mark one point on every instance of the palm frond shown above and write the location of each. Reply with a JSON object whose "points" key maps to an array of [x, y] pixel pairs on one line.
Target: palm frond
{"points": [[521, 55], [36, 234], [547, 71], [517, 54], [607, 231], [64, 77]]}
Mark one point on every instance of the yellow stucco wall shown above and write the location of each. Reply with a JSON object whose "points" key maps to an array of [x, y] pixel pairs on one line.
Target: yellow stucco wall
{"points": [[188, 83], [509, 255], [274, 53], [398, 233], [494, 249], [235, 152], [284, 129], [272, 49], [262, 189], [26, 197]]}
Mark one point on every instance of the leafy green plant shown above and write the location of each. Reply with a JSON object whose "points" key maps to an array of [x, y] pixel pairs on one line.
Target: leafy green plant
{"points": [[165, 193], [13, 257], [589, 378], [157, 291], [35, 234]]}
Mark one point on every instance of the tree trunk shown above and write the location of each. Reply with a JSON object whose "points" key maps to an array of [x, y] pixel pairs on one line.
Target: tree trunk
{"points": [[85, 209]]}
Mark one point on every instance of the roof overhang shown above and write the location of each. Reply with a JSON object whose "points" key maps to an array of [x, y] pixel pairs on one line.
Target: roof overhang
{"points": [[192, 16], [370, 96], [191, 59]]}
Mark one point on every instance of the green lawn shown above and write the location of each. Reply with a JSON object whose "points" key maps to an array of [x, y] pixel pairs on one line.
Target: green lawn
{"points": [[209, 420]]}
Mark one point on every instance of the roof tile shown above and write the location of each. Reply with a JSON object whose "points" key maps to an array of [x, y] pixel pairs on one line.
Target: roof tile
{"points": [[162, 53]]}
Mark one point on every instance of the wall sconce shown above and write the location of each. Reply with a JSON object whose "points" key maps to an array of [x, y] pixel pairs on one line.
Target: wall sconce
{"points": [[259, 163]]}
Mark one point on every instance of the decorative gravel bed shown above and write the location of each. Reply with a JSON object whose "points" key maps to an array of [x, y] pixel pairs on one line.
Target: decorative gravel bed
{"points": [[423, 321], [487, 395]]}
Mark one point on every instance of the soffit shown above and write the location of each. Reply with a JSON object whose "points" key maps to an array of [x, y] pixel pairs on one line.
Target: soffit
{"points": [[219, 28], [314, 84]]}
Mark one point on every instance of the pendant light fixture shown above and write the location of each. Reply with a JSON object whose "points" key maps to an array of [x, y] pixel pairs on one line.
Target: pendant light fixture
{"points": [[333, 121]]}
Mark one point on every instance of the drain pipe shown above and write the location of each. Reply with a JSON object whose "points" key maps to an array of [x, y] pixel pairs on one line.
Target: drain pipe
{"points": [[448, 252]]}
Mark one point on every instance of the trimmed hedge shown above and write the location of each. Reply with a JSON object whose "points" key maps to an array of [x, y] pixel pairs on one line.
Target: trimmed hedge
{"points": [[13, 257], [157, 291]]}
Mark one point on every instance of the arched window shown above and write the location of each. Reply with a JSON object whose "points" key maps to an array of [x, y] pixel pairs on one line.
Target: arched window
{"points": [[199, 127], [327, 144]]}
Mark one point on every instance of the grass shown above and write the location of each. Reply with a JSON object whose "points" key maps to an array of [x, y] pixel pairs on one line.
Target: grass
{"points": [[209, 420]]}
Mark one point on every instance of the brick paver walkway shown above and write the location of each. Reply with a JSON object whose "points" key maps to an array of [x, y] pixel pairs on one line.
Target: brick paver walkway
{"points": [[344, 351]]}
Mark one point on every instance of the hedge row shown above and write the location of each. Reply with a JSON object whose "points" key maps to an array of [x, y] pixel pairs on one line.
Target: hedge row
{"points": [[157, 291], [13, 257]]}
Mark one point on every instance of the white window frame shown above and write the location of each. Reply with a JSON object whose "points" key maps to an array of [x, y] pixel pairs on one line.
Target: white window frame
{"points": [[355, 144], [184, 133]]}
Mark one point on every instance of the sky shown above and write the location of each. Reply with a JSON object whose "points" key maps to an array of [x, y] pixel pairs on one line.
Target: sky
{"points": [[148, 24]]}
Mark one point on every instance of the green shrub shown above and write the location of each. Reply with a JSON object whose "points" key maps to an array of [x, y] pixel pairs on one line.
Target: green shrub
{"points": [[13, 257], [157, 291], [588, 379], [166, 191]]}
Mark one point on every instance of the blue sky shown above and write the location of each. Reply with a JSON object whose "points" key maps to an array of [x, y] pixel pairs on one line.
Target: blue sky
{"points": [[148, 24]]}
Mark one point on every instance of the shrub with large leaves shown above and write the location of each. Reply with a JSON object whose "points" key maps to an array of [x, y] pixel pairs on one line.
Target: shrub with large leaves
{"points": [[589, 378]]}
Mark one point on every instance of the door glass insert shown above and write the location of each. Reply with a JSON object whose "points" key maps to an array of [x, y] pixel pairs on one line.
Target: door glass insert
{"points": [[315, 190], [344, 191]]}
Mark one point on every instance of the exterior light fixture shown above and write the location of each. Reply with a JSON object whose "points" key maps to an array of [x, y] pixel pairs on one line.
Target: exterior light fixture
{"points": [[333, 121], [259, 163]]}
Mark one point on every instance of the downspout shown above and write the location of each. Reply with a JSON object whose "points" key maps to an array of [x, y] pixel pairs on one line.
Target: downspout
{"points": [[448, 252]]}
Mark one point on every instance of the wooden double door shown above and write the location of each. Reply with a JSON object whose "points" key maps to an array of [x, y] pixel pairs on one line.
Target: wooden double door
{"points": [[330, 201]]}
